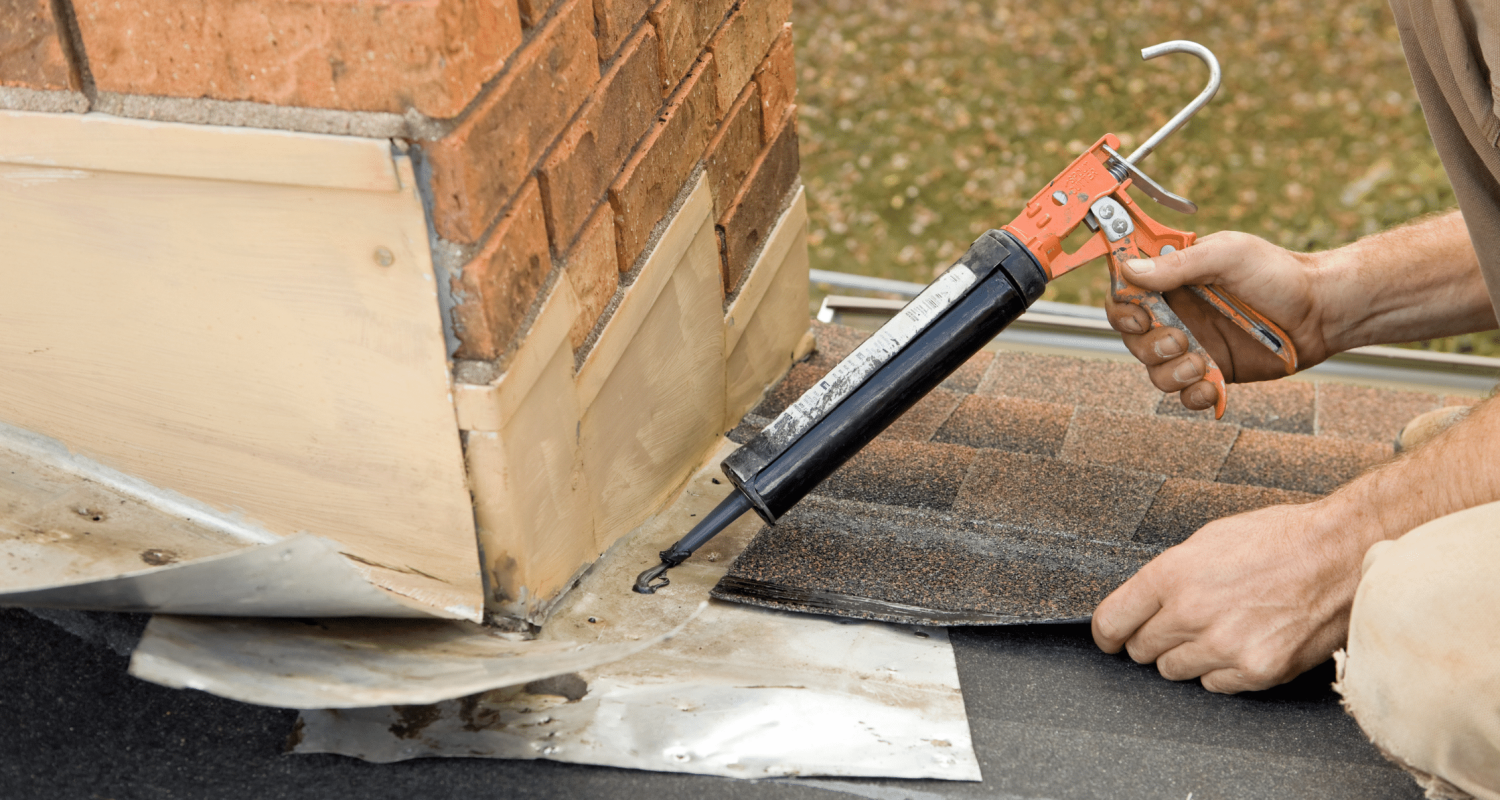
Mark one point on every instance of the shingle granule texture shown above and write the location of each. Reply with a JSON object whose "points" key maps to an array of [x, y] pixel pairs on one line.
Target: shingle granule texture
{"points": [[1050, 494], [966, 378], [902, 473], [1148, 443], [799, 379], [1183, 505], [1373, 415], [1071, 381], [835, 343], [1028, 487], [1007, 423], [922, 420], [880, 562], [1286, 406], [1299, 463], [1458, 400]]}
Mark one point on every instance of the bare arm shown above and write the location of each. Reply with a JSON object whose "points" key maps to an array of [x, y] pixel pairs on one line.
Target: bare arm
{"points": [[1252, 601], [1413, 282], [1417, 281]]}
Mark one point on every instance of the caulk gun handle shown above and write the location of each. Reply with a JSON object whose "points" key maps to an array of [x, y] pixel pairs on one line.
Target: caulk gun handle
{"points": [[1144, 237]]}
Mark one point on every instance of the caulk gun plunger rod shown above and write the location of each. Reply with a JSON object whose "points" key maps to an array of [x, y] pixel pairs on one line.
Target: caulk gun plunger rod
{"points": [[1215, 75], [724, 514]]}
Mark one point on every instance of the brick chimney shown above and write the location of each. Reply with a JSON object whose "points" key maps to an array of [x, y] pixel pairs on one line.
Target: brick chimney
{"points": [[614, 220]]}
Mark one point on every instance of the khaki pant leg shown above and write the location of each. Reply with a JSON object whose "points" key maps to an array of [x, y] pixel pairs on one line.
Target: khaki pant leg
{"points": [[1422, 671]]}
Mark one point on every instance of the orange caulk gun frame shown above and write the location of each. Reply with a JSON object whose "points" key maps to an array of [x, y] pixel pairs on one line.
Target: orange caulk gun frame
{"points": [[1091, 191]]}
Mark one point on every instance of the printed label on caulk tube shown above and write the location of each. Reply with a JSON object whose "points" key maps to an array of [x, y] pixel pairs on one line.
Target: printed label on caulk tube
{"points": [[870, 356]]}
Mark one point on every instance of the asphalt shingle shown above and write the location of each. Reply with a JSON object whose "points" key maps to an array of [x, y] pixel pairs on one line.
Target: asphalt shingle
{"points": [[1076, 454]]}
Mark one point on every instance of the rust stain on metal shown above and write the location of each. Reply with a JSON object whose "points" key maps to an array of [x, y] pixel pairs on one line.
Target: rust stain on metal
{"points": [[411, 720], [159, 558]]}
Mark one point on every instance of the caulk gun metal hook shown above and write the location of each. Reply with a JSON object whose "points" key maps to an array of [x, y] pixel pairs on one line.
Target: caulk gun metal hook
{"points": [[1214, 75]]}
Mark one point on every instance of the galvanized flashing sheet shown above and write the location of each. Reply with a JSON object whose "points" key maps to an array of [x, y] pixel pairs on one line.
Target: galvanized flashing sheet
{"points": [[741, 692], [298, 577], [351, 663], [77, 534]]}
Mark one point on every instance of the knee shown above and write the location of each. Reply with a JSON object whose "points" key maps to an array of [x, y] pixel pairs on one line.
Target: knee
{"points": [[1422, 670]]}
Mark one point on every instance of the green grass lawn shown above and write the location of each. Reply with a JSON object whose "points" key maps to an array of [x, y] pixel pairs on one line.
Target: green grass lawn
{"points": [[926, 122]]}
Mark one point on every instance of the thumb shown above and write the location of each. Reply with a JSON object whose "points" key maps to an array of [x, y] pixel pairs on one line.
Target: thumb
{"points": [[1215, 259]]}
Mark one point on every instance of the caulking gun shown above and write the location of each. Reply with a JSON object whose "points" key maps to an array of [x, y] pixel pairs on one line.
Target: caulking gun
{"points": [[1000, 276]]}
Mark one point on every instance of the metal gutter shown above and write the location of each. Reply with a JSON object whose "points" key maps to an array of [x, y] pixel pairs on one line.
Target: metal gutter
{"points": [[1084, 330]]}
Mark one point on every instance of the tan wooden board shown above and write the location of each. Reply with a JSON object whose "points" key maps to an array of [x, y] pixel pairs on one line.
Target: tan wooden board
{"points": [[102, 143], [653, 387], [531, 495], [766, 323], [490, 406], [640, 297], [241, 343]]}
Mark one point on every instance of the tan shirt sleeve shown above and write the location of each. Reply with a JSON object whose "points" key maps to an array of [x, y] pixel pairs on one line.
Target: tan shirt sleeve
{"points": [[1446, 42]]}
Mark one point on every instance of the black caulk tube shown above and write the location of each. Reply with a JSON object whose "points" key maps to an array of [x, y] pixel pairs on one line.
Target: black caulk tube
{"points": [[957, 315]]}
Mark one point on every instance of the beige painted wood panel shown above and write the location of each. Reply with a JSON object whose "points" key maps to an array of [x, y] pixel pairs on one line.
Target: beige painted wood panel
{"points": [[655, 400], [491, 406], [273, 351], [766, 323], [531, 495], [99, 142], [619, 333]]}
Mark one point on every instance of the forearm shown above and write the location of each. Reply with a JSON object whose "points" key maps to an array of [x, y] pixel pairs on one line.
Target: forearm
{"points": [[1454, 471], [1418, 281]]}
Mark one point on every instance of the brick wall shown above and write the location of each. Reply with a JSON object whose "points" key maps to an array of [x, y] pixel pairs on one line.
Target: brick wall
{"points": [[556, 135], [600, 118]]}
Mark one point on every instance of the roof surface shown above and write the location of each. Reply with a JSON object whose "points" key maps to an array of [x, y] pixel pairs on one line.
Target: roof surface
{"points": [[1027, 487], [1052, 717]]}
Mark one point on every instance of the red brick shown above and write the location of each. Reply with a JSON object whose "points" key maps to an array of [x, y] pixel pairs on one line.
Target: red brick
{"points": [[615, 20], [777, 79], [532, 11], [374, 55], [589, 155], [31, 51], [650, 182], [483, 162], [594, 271], [497, 288], [685, 27], [742, 43], [744, 227], [734, 148]]}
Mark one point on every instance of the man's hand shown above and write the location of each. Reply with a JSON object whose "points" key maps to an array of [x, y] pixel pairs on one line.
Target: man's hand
{"points": [[1276, 282], [1419, 281], [1250, 601], [1246, 603]]}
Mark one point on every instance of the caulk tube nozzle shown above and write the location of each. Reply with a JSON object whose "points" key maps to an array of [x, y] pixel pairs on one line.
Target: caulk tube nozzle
{"points": [[727, 511]]}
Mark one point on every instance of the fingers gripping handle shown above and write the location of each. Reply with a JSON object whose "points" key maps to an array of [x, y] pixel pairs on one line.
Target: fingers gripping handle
{"points": [[1262, 329], [1162, 316]]}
